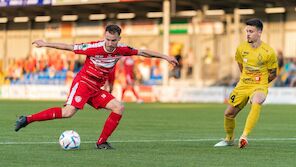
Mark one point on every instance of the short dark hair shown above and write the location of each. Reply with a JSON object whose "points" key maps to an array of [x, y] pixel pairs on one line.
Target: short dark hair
{"points": [[113, 28], [255, 22]]}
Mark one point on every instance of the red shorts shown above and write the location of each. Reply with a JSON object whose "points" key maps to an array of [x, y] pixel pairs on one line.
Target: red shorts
{"points": [[81, 92]]}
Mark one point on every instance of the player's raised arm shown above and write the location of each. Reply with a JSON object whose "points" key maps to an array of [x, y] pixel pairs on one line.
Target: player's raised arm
{"points": [[149, 53], [62, 46]]}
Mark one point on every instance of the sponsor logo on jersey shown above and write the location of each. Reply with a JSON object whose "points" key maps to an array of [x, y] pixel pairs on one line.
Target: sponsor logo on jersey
{"points": [[84, 46], [100, 61]]}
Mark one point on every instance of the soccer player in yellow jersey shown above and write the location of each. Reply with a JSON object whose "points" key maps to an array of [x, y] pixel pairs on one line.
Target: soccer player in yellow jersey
{"points": [[257, 62]]}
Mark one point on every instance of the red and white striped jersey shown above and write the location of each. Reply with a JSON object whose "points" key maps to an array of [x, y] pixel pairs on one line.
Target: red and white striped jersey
{"points": [[99, 62]]}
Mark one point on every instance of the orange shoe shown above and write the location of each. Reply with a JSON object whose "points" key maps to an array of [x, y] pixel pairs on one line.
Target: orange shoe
{"points": [[243, 142]]}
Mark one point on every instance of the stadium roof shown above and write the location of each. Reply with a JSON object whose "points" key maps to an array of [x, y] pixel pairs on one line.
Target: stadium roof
{"points": [[141, 7]]}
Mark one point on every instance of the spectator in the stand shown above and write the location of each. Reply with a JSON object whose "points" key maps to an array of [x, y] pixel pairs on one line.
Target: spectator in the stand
{"points": [[58, 63], [155, 71], [30, 65], [14, 71], [189, 63], [1, 73], [292, 74], [177, 69], [208, 60], [208, 57], [280, 56], [42, 64], [176, 50], [279, 81]]}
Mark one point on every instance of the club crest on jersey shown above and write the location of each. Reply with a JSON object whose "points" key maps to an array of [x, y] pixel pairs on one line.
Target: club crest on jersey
{"points": [[260, 60], [78, 99]]}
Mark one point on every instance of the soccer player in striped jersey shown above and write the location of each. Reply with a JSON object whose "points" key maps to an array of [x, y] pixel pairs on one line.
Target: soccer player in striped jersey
{"points": [[257, 62], [101, 57]]}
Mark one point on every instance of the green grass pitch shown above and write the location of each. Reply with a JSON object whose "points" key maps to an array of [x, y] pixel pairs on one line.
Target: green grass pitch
{"points": [[149, 135]]}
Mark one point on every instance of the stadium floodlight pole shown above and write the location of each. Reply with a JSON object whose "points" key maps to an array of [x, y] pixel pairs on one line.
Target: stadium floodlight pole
{"points": [[236, 39], [229, 50], [166, 39], [5, 55], [197, 69]]}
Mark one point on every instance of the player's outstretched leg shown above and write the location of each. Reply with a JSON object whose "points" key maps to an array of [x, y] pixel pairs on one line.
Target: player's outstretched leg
{"points": [[48, 114]]}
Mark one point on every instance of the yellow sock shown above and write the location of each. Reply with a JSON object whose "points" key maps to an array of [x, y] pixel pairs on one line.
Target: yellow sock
{"points": [[252, 118], [229, 125]]}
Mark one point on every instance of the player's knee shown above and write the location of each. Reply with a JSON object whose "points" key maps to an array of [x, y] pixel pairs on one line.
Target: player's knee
{"points": [[118, 108], [68, 111], [258, 98], [229, 115], [257, 101], [231, 112]]}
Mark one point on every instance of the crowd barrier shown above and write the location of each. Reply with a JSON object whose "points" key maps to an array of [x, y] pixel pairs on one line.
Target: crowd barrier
{"points": [[284, 95]]}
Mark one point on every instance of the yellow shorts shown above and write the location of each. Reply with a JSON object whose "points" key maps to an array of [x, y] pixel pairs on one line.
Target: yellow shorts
{"points": [[241, 94]]}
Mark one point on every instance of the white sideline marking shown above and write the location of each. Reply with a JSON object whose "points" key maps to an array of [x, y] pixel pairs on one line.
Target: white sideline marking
{"points": [[149, 141]]}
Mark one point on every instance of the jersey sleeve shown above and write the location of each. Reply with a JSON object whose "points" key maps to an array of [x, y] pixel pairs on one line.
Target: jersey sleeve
{"points": [[85, 48], [272, 61], [238, 56], [129, 51]]}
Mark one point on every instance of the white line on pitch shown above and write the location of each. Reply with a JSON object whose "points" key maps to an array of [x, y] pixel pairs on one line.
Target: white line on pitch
{"points": [[147, 141]]}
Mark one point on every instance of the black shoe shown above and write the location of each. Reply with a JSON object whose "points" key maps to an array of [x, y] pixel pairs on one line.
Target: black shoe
{"points": [[104, 146], [21, 123]]}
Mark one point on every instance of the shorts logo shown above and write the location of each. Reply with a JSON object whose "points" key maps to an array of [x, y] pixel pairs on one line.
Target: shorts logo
{"points": [[78, 99], [103, 96]]}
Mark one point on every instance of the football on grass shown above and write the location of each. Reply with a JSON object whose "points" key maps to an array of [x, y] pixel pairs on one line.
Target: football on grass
{"points": [[69, 140]]}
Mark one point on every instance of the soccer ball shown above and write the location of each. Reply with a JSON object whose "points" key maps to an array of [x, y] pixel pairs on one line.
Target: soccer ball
{"points": [[69, 140]]}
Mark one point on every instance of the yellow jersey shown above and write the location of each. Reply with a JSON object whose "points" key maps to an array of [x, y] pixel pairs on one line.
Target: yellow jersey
{"points": [[256, 62]]}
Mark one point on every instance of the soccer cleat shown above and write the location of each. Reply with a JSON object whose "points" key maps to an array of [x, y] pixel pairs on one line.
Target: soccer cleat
{"points": [[104, 146], [21, 123], [243, 142], [224, 143]]}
